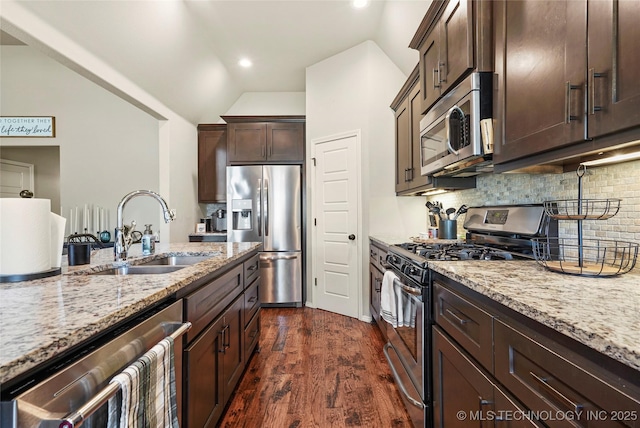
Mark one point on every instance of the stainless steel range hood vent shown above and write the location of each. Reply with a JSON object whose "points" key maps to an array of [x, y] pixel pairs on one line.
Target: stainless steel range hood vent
{"points": [[442, 183]]}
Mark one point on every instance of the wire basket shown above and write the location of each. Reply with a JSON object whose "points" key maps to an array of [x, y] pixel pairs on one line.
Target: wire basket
{"points": [[591, 257], [582, 209]]}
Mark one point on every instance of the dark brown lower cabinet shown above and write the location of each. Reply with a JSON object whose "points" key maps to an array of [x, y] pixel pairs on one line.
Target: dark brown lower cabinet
{"points": [[464, 395], [214, 364]]}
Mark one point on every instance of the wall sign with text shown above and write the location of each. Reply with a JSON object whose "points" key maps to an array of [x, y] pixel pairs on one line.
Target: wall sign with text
{"points": [[27, 126]]}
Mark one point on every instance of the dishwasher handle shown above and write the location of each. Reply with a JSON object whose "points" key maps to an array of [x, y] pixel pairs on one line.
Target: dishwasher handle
{"points": [[77, 418]]}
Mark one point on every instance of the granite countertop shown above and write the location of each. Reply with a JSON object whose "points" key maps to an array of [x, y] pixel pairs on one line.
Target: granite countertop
{"points": [[40, 319], [208, 234], [600, 312]]}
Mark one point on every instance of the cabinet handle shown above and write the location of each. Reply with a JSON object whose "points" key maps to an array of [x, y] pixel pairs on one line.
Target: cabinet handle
{"points": [[593, 108], [252, 267], [221, 334], [254, 333], [461, 321], [252, 299], [566, 401], [567, 102], [436, 78], [226, 341], [483, 402], [377, 281]]}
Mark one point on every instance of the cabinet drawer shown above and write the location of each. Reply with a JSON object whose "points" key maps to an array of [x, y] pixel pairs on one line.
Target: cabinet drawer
{"points": [[251, 336], [205, 304], [543, 378], [251, 269], [377, 257], [251, 300], [373, 254], [469, 325]]}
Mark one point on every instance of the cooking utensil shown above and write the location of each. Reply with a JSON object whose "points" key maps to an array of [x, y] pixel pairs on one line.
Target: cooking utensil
{"points": [[450, 211], [463, 209]]}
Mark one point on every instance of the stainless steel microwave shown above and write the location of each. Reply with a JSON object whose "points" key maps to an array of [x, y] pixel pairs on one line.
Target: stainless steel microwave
{"points": [[456, 134]]}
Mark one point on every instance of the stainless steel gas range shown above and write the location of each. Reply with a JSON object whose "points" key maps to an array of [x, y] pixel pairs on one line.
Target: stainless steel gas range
{"points": [[494, 233]]}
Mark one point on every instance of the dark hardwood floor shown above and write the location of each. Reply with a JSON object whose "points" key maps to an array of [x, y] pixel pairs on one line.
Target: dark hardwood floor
{"points": [[316, 369]]}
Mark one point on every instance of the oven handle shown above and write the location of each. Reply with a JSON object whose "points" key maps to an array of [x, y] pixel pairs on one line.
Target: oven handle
{"points": [[410, 290], [396, 376]]}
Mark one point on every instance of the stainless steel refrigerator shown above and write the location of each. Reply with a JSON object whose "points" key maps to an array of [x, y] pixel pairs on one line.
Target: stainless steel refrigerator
{"points": [[265, 205]]}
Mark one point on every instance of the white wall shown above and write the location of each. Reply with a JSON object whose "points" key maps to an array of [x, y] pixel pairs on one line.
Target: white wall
{"points": [[353, 91], [107, 146], [165, 140], [268, 104]]}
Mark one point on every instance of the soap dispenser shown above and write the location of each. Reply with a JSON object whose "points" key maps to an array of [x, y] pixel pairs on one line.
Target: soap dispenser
{"points": [[148, 241]]}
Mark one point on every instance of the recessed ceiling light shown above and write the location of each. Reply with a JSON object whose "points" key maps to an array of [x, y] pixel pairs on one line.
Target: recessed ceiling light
{"points": [[245, 62], [359, 4]]}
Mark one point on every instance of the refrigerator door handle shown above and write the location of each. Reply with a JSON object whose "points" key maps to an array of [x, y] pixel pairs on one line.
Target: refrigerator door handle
{"points": [[271, 258], [266, 207], [259, 204]]}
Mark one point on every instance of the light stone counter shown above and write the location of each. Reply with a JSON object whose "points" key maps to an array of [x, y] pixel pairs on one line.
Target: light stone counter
{"points": [[603, 313], [42, 318]]}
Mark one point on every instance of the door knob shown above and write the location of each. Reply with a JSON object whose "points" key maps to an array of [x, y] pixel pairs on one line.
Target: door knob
{"points": [[352, 237]]}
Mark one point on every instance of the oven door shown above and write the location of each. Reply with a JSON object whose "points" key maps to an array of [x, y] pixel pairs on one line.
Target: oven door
{"points": [[405, 350]]}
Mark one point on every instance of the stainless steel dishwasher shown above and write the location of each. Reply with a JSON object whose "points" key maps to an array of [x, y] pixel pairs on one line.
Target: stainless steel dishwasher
{"points": [[79, 390]]}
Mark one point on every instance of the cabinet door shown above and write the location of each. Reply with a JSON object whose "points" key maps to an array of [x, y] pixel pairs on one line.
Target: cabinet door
{"points": [[403, 146], [456, 42], [285, 142], [232, 347], [246, 142], [375, 285], [613, 64], [540, 57], [430, 71], [212, 163], [462, 393], [203, 387], [415, 108]]}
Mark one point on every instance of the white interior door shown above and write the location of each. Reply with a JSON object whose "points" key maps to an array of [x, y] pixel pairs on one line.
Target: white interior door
{"points": [[14, 178], [336, 185]]}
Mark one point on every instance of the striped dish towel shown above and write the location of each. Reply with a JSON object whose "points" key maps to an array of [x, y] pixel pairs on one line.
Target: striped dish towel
{"points": [[147, 396]]}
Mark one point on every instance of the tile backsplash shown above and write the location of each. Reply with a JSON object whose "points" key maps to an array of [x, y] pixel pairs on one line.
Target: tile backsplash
{"points": [[620, 181]]}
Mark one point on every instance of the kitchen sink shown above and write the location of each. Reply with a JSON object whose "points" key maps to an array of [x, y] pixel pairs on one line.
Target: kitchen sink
{"points": [[175, 261], [139, 270]]}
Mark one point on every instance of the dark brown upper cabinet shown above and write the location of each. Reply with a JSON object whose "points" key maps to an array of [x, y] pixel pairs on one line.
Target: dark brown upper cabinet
{"points": [[613, 33], [567, 79], [265, 139], [453, 39], [408, 112], [212, 163]]}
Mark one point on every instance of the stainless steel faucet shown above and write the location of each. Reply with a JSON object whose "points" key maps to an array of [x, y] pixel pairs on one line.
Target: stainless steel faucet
{"points": [[123, 237]]}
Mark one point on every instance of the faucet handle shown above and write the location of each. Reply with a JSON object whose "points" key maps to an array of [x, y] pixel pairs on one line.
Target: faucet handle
{"points": [[169, 215]]}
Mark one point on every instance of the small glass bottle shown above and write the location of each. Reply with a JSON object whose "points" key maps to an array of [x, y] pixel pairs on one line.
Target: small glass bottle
{"points": [[148, 241]]}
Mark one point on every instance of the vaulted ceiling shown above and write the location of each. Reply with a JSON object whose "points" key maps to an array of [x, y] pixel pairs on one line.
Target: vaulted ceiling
{"points": [[185, 53]]}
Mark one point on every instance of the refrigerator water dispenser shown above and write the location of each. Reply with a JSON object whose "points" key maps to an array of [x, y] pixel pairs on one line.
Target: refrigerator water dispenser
{"points": [[241, 214]]}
